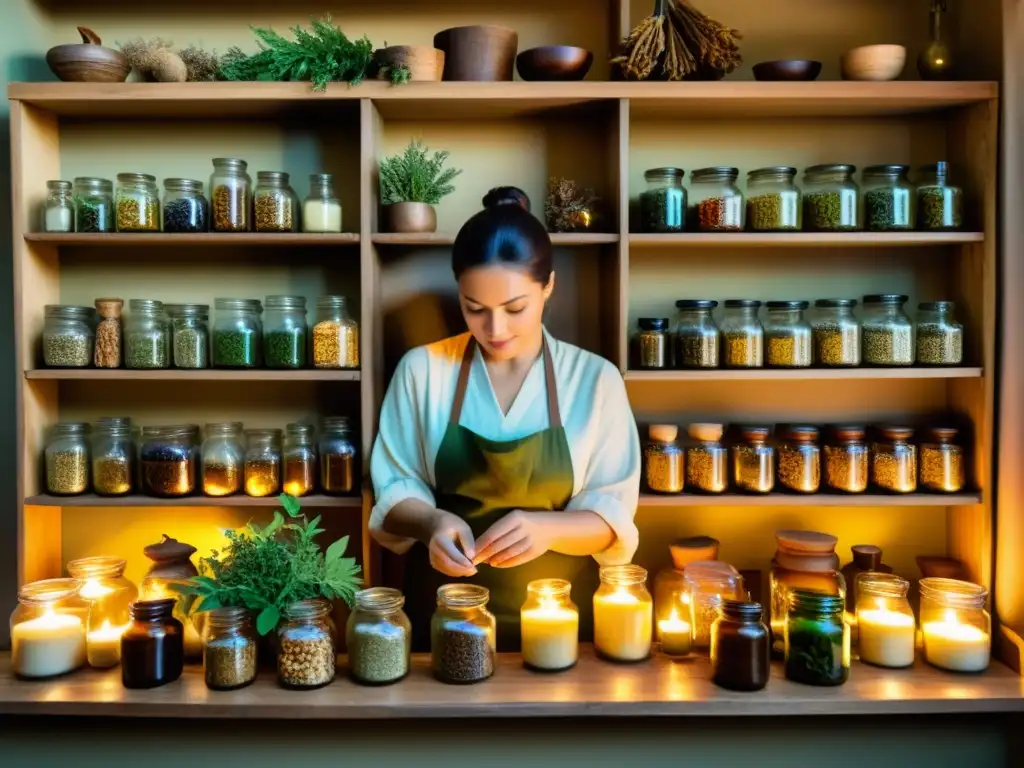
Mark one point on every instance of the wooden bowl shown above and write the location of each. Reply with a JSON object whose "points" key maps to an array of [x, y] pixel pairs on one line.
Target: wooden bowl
{"points": [[88, 63], [425, 62], [876, 63], [480, 53], [554, 62], [793, 70]]}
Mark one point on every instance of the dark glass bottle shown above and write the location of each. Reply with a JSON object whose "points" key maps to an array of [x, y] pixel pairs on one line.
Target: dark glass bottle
{"points": [[817, 639], [866, 557], [152, 648], [740, 647]]}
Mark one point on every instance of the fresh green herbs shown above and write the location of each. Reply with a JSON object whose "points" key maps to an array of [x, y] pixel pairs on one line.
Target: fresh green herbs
{"points": [[413, 177]]}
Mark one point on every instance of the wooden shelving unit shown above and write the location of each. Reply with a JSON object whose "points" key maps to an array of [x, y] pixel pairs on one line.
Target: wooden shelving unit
{"points": [[704, 240], [805, 374], [171, 374], [817, 500], [134, 502]]}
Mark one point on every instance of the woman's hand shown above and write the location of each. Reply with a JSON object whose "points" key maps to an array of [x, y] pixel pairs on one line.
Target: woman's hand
{"points": [[451, 545], [517, 538]]}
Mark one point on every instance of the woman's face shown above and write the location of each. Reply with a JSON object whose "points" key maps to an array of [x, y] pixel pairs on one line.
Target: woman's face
{"points": [[503, 307]]}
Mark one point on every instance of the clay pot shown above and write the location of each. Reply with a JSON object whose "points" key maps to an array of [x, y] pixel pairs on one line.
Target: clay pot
{"points": [[88, 63], [424, 62], [410, 217], [481, 53]]}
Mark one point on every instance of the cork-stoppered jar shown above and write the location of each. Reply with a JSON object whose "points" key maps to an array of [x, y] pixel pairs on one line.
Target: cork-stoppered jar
{"points": [[940, 204], [787, 335], [707, 460], [753, 461], [275, 204], [800, 460], [773, 200], [66, 459], [698, 339], [335, 335], [836, 333], [803, 560], [137, 203], [68, 337], [742, 334], [652, 344], [894, 460], [223, 459], [890, 203], [939, 337], [306, 655], [109, 333], [378, 636], [463, 634], [716, 203], [664, 460], [230, 195], [663, 201], [942, 461], [887, 331], [846, 459]]}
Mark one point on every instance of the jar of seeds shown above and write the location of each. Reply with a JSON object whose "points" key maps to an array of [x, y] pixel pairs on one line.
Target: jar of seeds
{"points": [[306, 658], [940, 338], [894, 460], [707, 460], [230, 195], [787, 335], [887, 331], [716, 203], [223, 461], [229, 649], [663, 459], [337, 457], [299, 458], [190, 335], [942, 461], [379, 637], [137, 203], [836, 333], [652, 345], [753, 461], [67, 336], [463, 634], [773, 200], [889, 201], [800, 460], [321, 212], [67, 459], [237, 333], [168, 459], [940, 204], [663, 202], [697, 335], [94, 204], [59, 208], [846, 460], [107, 352], [284, 332], [335, 335], [113, 458], [742, 334], [275, 203], [147, 335], [185, 206], [262, 462], [830, 198]]}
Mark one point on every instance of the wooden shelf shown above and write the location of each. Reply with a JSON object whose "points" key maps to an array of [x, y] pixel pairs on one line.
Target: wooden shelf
{"points": [[656, 688], [812, 500], [92, 500], [174, 374], [705, 240], [440, 239], [135, 240], [805, 374]]}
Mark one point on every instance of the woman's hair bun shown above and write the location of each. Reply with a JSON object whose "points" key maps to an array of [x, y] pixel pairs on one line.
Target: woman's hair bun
{"points": [[507, 196]]}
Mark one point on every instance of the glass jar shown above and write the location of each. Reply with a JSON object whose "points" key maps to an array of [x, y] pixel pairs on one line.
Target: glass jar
{"points": [[147, 335], [836, 333], [708, 584], [939, 337], [48, 629], [885, 622], [190, 335], [463, 634], [299, 457], [697, 336], [663, 460], [742, 334], [652, 345], [94, 204], [773, 200], [800, 460], [830, 198], [107, 352], [237, 333], [137, 203], [337, 457], [67, 459], [817, 639], [168, 461], [894, 460], [306, 658], [275, 203], [262, 462], [707, 460], [787, 335], [321, 212], [674, 632], [663, 202], [846, 460], [230, 195], [753, 461], [888, 331], [109, 595], [284, 332], [956, 628], [68, 338], [59, 208], [185, 206], [890, 204], [379, 637], [152, 647], [229, 649], [803, 560], [623, 614], [113, 459], [942, 461], [716, 203], [549, 626], [940, 205], [223, 459], [335, 335], [740, 647]]}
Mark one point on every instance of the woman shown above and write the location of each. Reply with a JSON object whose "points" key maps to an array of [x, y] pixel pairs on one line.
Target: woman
{"points": [[503, 454]]}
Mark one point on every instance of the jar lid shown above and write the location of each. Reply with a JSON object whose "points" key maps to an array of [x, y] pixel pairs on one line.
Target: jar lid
{"points": [[742, 304], [663, 433], [936, 306], [94, 181], [185, 185], [109, 307], [299, 429], [886, 298], [715, 172], [136, 178], [943, 434], [693, 549], [307, 609], [668, 172], [848, 433], [802, 433], [807, 599], [331, 302], [831, 168], [835, 303], [899, 432], [220, 428], [379, 599], [316, 179], [58, 184], [771, 170], [67, 311], [180, 310], [145, 305], [940, 168], [867, 556], [230, 162], [168, 550], [335, 423], [70, 428], [886, 170], [740, 609], [787, 304], [264, 434], [152, 609], [278, 176], [652, 323], [806, 542], [754, 433], [706, 431], [696, 304], [285, 302], [252, 305], [463, 595]]}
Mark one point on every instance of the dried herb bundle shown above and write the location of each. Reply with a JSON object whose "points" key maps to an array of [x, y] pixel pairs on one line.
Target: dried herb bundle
{"points": [[155, 60], [568, 208], [200, 65]]}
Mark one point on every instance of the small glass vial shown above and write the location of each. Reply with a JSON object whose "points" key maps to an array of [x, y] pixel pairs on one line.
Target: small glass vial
{"points": [[274, 203], [740, 647], [229, 649], [707, 460], [894, 460], [663, 460], [956, 628], [942, 461], [237, 333], [888, 331], [59, 209], [152, 648], [940, 205], [716, 203], [663, 202], [168, 460], [299, 457], [379, 637], [846, 460], [773, 200], [113, 459], [885, 621], [787, 335], [230, 195], [939, 337], [48, 629], [137, 203], [831, 198], [800, 460], [697, 336], [109, 335], [463, 634], [652, 345], [284, 332], [549, 626], [890, 204], [817, 639], [335, 335], [753, 461], [68, 339], [708, 585], [262, 462], [223, 462], [190, 335], [337, 455], [67, 459], [147, 335], [110, 596], [623, 614], [94, 204], [836, 333], [185, 207], [306, 658], [321, 211], [742, 334]]}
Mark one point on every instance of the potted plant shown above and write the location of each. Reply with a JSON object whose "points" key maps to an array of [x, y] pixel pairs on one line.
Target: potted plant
{"points": [[411, 184]]}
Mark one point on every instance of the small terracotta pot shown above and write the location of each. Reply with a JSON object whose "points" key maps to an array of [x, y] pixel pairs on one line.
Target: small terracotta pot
{"points": [[410, 217], [425, 63]]}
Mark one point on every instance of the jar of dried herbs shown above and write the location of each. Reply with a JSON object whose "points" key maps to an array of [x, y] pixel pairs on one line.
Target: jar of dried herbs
{"points": [[284, 332], [663, 459], [663, 202], [230, 195], [223, 462], [887, 331], [379, 637], [66, 457], [831, 198], [190, 335], [463, 634], [300, 460], [67, 336], [773, 200], [262, 462], [229, 649], [652, 345], [742, 334], [337, 454], [94, 204], [237, 333], [800, 460], [894, 460], [846, 460], [697, 335], [113, 459], [787, 335], [836, 333], [753, 461], [107, 352], [939, 337], [940, 204], [137, 203], [185, 206], [716, 203], [306, 658], [942, 461], [335, 335], [890, 204], [275, 203], [817, 639], [59, 209], [707, 460], [168, 458], [147, 335]]}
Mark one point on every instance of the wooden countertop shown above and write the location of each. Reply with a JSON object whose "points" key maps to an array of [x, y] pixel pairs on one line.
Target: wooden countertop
{"points": [[594, 688]]}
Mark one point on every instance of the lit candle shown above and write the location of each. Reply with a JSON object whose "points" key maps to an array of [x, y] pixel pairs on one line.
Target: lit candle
{"points": [[93, 589], [622, 625], [958, 647], [675, 635], [103, 645], [49, 645], [550, 635], [886, 637]]}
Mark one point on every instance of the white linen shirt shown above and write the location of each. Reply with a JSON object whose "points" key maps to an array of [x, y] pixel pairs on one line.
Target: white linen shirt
{"points": [[592, 400]]}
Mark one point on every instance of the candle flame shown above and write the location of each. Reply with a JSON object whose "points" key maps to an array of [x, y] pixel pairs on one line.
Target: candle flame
{"points": [[93, 589], [951, 617]]}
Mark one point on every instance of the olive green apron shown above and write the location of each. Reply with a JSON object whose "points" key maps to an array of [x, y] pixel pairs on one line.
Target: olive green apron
{"points": [[481, 481]]}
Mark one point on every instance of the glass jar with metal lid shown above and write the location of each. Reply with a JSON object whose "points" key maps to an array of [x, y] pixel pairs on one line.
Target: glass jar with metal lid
{"points": [[716, 203], [284, 332], [800, 459], [237, 333], [185, 206], [663, 459], [894, 460], [831, 198], [66, 457], [753, 461], [299, 458], [742, 334], [773, 200], [109, 333], [939, 337], [337, 454], [663, 202], [68, 337], [463, 634], [190, 335], [147, 335], [940, 204], [275, 203], [846, 459], [652, 344], [94, 204], [378, 636], [59, 207], [697, 335], [137, 203], [230, 195], [335, 335], [168, 459], [787, 335], [321, 212], [889, 201], [223, 459], [817, 639], [113, 459], [942, 461], [262, 462], [887, 331], [836, 333], [707, 460]]}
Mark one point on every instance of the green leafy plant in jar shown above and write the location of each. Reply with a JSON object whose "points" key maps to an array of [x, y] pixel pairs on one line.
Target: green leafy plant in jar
{"points": [[411, 184]]}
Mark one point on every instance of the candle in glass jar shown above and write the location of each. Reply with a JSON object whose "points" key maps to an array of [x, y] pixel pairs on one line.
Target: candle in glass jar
{"points": [[958, 647], [886, 637], [49, 645], [550, 636], [623, 625], [103, 646], [676, 638]]}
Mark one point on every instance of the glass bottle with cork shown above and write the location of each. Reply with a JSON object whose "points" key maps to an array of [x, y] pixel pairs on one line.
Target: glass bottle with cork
{"points": [[321, 211], [894, 460], [753, 461], [800, 459], [663, 459], [707, 460], [107, 352], [846, 459], [803, 560]]}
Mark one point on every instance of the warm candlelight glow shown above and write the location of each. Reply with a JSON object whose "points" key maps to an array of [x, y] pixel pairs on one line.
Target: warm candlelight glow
{"points": [[48, 645], [103, 645], [956, 646], [675, 635], [886, 637], [93, 589], [623, 625], [550, 633]]}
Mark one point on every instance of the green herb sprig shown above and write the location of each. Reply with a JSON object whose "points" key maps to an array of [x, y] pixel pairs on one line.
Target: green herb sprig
{"points": [[413, 177]]}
